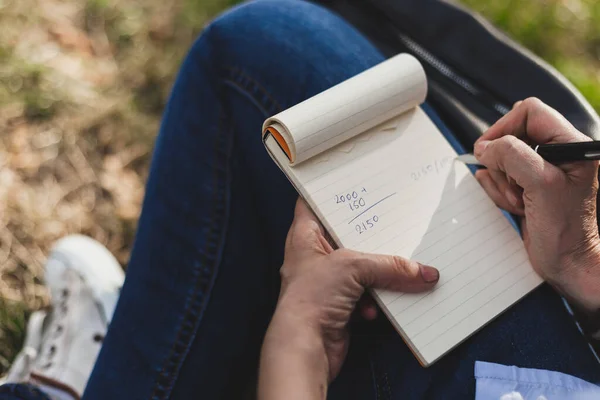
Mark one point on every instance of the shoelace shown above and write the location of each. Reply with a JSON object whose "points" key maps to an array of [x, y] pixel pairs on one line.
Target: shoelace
{"points": [[59, 314]]}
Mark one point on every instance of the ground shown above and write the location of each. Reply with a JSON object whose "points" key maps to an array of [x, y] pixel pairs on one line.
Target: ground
{"points": [[82, 87]]}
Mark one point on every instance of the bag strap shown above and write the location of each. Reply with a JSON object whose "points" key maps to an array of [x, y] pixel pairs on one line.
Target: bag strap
{"points": [[464, 42]]}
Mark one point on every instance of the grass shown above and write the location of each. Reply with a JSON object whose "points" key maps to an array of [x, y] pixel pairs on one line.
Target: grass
{"points": [[13, 317], [564, 33], [82, 87]]}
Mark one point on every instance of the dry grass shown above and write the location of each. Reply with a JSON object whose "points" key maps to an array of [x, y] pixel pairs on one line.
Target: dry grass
{"points": [[82, 87]]}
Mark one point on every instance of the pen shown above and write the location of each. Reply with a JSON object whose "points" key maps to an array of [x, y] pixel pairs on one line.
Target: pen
{"points": [[556, 153]]}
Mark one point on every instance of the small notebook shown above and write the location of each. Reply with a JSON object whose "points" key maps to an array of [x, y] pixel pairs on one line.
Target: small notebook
{"points": [[382, 179]]}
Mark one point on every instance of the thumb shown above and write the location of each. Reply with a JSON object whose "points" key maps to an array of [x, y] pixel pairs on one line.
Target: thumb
{"points": [[306, 232], [304, 218], [515, 158], [393, 273]]}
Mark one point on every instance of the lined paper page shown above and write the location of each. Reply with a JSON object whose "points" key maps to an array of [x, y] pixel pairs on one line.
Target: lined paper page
{"points": [[396, 189], [352, 107]]}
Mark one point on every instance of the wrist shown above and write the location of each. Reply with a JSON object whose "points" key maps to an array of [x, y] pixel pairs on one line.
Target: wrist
{"points": [[579, 282], [293, 360], [294, 333]]}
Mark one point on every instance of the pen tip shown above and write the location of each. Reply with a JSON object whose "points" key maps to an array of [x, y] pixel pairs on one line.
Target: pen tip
{"points": [[467, 159]]}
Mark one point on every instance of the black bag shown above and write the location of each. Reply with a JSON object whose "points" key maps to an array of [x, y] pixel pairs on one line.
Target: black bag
{"points": [[475, 73]]}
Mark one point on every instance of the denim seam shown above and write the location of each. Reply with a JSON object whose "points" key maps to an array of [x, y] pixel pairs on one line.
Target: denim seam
{"points": [[199, 295], [381, 385], [237, 74], [387, 386], [247, 93], [193, 312], [373, 374]]}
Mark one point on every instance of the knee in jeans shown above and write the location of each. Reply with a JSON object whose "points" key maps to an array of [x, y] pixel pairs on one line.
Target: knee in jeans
{"points": [[295, 29], [270, 21], [276, 17]]}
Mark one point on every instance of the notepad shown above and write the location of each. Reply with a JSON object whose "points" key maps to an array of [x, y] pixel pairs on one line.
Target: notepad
{"points": [[381, 178]]}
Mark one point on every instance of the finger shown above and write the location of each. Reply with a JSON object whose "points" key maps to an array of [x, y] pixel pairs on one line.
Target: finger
{"points": [[517, 104], [534, 119], [304, 216], [367, 307], [391, 272], [490, 187], [511, 191], [485, 180], [513, 157], [536, 122], [306, 232]]}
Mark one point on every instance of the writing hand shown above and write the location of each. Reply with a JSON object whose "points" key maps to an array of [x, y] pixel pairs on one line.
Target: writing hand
{"points": [[307, 340], [557, 203]]}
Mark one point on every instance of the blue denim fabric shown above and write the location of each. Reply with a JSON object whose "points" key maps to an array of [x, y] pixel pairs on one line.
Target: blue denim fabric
{"points": [[13, 391], [203, 278]]}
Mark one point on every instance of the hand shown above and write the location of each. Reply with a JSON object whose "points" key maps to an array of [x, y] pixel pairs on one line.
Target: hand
{"points": [[557, 203], [307, 340]]}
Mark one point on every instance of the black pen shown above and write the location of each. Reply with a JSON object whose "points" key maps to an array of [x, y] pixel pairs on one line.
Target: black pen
{"points": [[556, 153]]}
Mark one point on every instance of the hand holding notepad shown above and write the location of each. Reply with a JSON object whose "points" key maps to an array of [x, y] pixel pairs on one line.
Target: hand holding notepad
{"points": [[381, 178]]}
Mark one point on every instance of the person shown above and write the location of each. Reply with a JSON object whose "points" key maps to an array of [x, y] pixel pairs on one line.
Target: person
{"points": [[202, 295]]}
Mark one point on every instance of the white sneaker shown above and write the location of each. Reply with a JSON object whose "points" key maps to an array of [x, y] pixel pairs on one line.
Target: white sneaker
{"points": [[61, 347], [93, 262]]}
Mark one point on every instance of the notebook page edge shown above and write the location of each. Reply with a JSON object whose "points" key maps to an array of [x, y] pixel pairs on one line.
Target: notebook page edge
{"points": [[278, 156], [474, 332], [423, 358], [414, 349]]}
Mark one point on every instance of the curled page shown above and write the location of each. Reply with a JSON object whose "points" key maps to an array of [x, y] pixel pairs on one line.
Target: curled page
{"points": [[349, 108]]}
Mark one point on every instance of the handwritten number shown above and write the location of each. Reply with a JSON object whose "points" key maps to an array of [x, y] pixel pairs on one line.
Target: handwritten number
{"points": [[342, 198], [356, 204], [435, 166], [366, 225]]}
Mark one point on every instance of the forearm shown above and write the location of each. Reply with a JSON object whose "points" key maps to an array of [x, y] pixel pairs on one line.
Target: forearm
{"points": [[293, 364]]}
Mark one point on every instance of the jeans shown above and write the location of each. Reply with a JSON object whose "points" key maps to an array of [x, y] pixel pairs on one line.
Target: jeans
{"points": [[203, 279], [17, 391]]}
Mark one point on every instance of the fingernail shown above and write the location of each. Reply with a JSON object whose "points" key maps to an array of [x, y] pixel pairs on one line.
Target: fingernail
{"points": [[429, 274], [480, 146], [511, 197]]}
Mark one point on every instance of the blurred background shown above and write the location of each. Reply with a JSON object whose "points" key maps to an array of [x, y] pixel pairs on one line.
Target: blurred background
{"points": [[82, 87]]}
